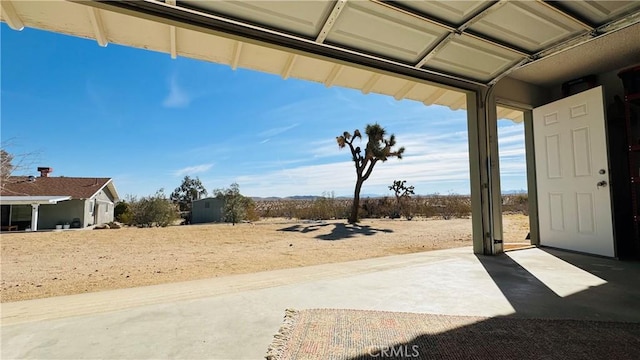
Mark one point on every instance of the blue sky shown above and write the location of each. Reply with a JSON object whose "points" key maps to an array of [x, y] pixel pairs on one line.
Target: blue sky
{"points": [[147, 120]]}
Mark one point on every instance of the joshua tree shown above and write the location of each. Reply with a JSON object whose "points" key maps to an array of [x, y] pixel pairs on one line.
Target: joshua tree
{"points": [[401, 191], [378, 149]]}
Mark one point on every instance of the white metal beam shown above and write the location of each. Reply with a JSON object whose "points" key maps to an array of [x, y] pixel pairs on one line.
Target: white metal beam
{"points": [[404, 90], [371, 83], [333, 75], [459, 30], [566, 15], [457, 105], [288, 66], [173, 39], [236, 55], [10, 15], [172, 34], [434, 96], [98, 26], [331, 20], [431, 53]]}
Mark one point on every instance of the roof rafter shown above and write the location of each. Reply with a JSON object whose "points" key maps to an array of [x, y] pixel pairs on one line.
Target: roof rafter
{"points": [[98, 26], [288, 66], [331, 20], [206, 22], [371, 83], [404, 90], [333, 75], [10, 15], [237, 51], [431, 99], [172, 35], [174, 42], [459, 103]]}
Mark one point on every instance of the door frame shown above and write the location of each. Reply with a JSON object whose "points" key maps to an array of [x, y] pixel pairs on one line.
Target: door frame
{"points": [[530, 160]]}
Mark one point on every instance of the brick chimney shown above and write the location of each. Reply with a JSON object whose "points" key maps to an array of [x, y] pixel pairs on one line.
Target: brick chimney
{"points": [[44, 171]]}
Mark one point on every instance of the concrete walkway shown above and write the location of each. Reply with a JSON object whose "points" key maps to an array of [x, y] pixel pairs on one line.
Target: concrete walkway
{"points": [[235, 317]]}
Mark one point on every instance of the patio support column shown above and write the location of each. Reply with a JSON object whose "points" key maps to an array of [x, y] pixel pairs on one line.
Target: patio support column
{"points": [[486, 199], [34, 217]]}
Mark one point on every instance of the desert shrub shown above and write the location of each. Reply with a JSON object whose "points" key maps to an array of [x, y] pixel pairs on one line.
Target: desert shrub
{"points": [[324, 207], [152, 210], [251, 212], [236, 206], [515, 204], [122, 212], [452, 206]]}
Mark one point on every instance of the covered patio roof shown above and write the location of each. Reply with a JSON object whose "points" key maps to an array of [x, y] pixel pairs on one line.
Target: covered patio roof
{"points": [[32, 200], [425, 51]]}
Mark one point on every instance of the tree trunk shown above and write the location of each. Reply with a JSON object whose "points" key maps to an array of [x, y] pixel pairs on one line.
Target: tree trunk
{"points": [[356, 202]]}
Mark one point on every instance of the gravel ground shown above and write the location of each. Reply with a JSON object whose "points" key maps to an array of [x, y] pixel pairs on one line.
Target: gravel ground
{"points": [[44, 264]]}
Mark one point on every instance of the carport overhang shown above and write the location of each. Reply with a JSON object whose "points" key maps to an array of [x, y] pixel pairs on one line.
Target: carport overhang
{"points": [[459, 54], [32, 200], [35, 202]]}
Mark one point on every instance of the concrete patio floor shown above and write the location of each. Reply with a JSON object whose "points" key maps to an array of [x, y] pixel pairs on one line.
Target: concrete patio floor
{"points": [[235, 317]]}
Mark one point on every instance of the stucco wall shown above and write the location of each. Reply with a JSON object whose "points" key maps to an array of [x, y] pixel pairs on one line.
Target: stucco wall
{"points": [[99, 209], [201, 214], [519, 92]]}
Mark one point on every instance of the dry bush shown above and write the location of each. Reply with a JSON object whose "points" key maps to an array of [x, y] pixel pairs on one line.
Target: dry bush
{"points": [[515, 204], [449, 206]]}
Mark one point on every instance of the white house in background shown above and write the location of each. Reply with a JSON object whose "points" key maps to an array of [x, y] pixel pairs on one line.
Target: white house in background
{"points": [[36, 203]]}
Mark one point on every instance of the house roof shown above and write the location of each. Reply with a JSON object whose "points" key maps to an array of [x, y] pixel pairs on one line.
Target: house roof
{"points": [[75, 187]]}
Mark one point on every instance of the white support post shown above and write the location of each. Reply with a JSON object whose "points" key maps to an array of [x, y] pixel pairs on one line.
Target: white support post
{"points": [[34, 217]]}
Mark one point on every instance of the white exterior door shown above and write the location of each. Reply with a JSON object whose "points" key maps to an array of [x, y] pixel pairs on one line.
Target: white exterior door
{"points": [[574, 201]]}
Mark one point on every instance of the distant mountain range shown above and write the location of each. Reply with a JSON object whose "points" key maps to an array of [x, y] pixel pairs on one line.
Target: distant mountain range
{"points": [[362, 196]]}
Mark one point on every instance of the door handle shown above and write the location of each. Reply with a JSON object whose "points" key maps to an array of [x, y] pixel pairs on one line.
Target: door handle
{"points": [[601, 184]]}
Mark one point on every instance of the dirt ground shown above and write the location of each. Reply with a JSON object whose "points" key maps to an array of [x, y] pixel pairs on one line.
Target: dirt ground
{"points": [[44, 264]]}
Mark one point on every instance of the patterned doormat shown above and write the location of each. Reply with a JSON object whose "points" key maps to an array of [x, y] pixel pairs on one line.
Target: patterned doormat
{"points": [[362, 334]]}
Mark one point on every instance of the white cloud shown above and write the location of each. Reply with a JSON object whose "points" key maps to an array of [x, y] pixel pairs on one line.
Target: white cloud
{"points": [[277, 131], [177, 97], [190, 170]]}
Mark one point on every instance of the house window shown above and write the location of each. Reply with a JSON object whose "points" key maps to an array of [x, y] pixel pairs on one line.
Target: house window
{"points": [[106, 208], [206, 204], [91, 205]]}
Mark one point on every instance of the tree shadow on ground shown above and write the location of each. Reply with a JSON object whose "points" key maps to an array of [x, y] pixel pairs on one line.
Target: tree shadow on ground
{"points": [[340, 231]]}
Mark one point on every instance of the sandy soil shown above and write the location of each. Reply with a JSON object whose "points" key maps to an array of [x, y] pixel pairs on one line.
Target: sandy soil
{"points": [[44, 264]]}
